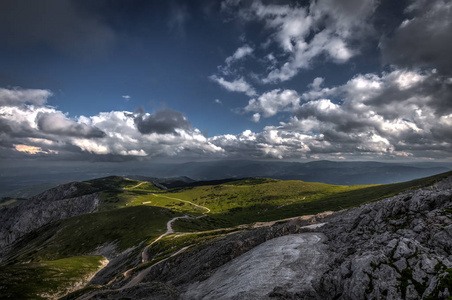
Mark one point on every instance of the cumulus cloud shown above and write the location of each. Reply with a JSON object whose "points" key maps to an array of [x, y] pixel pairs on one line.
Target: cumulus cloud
{"points": [[401, 113], [123, 137], [162, 122], [18, 96], [270, 103], [316, 83], [238, 85], [58, 124], [41, 130], [424, 38], [270, 143], [396, 113], [256, 117]]}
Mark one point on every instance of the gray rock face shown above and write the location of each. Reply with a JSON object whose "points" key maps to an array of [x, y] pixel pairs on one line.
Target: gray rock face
{"points": [[61, 202], [254, 274], [400, 247]]}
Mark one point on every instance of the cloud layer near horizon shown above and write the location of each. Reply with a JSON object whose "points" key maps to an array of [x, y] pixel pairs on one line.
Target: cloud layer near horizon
{"points": [[403, 111], [396, 114]]}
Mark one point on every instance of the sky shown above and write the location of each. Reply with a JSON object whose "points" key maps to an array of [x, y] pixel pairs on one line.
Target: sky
{"points": [[118, 81]]}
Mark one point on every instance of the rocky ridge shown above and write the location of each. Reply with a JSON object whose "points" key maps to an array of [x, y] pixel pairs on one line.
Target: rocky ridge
{"points": [[396, 248], [61, 202]]}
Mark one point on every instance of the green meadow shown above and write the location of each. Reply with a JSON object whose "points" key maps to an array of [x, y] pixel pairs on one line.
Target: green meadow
{"points": [[47, 279]]}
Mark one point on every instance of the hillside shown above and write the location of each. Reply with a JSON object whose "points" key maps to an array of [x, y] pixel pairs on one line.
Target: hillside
{"points": [[133, 221]]}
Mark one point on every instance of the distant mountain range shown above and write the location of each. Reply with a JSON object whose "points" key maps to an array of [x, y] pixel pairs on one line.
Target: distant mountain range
{"points": [[332, 172], [342, 173]]}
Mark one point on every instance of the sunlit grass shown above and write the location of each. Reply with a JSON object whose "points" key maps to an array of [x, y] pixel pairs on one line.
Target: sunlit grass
{"points": [[48, 278]]}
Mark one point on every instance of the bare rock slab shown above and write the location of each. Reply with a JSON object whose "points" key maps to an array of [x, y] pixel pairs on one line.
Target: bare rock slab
{"points": [[287, 264]]}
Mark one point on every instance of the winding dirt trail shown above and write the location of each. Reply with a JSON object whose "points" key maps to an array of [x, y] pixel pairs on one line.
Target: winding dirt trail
{"points": [[194, 204], [140, 276], [145, 255], [135, 186], [169, 229], [144, 259]]}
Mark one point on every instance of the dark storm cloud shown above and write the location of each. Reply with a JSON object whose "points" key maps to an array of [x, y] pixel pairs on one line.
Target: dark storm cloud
{"points": [[58, 23], [434, 87], [58, 124], [162, 122], [425, 39], [4, 126]]}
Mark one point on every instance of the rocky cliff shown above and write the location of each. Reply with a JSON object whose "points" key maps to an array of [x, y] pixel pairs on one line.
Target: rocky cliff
{"points": [[397, 248], [61, 202]]}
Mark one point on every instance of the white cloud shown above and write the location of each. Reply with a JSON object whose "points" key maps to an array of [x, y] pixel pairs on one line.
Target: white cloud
{"points": [[40, 129], [392, 115], [91, 146], [58, 124], [388, 114], [407, 79], [127, 97], [316, 83], [402, 113], [270, 103], [304, 33], [303, 53], [256, 117], [270, 143], [18, 96], [218, 101], [238, 85], [239, 54]]}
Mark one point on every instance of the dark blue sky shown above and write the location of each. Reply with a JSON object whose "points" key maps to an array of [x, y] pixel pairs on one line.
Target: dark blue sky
{"points": [[109, 80]]}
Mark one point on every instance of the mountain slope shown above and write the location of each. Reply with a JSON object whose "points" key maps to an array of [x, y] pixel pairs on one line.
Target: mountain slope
{"points": [[169, 251], [48, 279], [58, 203], [397, 248]]}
